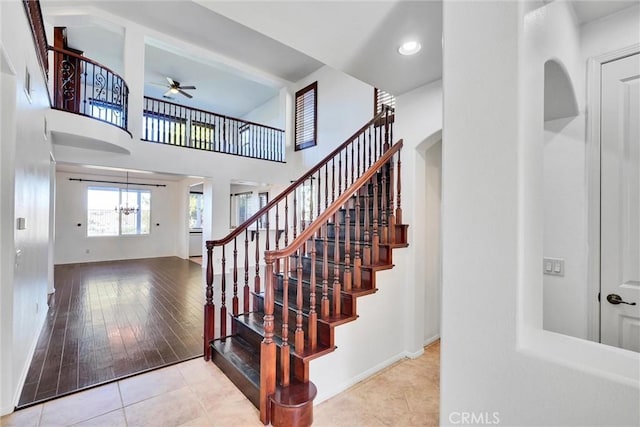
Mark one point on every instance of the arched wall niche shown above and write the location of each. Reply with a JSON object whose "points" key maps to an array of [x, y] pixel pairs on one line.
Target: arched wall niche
{"points": [[559, 96]]}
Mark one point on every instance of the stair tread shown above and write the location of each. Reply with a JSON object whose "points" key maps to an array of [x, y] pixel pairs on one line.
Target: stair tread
{"points": [[255, 320]]}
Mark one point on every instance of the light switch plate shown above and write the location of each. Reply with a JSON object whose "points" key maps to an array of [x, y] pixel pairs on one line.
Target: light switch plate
{"points": [[553, 266]]}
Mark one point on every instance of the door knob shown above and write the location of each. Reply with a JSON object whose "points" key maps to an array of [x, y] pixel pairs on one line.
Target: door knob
{"points": [[616, 299]]}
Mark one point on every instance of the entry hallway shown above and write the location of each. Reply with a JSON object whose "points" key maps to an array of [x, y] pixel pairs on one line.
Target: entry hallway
{"points": [[196, 393]]}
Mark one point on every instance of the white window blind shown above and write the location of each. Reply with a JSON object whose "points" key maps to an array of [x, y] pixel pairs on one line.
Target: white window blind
{"points": [[306, 116], [383, 98]]}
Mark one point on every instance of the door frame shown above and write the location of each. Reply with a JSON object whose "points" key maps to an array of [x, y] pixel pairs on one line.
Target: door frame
{"points": [[593, 144]]}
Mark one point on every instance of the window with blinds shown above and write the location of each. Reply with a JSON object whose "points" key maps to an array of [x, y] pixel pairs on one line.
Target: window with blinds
{"points": [[380, 98], [306, 117]]}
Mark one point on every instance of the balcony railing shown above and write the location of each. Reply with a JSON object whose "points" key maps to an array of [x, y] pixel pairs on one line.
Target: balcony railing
{"points": [[34, 14], [85, 87], [174, 124]]}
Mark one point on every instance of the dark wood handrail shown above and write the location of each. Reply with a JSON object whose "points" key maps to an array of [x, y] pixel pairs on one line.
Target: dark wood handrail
{"points": [[85, 59], [213, 114], [236, 232], [308, 232]]}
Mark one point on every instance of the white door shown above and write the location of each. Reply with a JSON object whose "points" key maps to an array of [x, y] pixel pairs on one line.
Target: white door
{"points": [[620, 203]]}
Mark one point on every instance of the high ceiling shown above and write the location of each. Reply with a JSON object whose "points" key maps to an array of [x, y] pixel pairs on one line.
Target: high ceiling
{"points": [[360, 38], [588, 10]]}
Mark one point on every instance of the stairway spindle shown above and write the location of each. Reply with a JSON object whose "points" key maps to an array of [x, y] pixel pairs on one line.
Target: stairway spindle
{"points": [[324, 302], [209, 306], [398, 198], [336, 267], [333, 180], [286, 222], [326, 185], [375, 239], [352, 162], [366, 253], [369, 146], [347, 248], [245, 295], [277, 239], [284, 349], [383, 208], [357, 261], [299, 335], [223, 296], [256, 282], [319, 196], [392, 215], [295, 213], [234, 300], [340, 174], [313, 315]]}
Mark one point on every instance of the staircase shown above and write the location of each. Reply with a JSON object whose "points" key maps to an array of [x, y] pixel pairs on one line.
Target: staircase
{"points": [[344, 218]]}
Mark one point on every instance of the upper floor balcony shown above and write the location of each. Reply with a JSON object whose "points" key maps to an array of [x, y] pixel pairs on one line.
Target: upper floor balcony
{"points": [[90, 90]]}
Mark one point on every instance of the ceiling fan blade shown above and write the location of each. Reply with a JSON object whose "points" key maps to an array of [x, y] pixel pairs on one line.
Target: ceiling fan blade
{"points": [[187, 87], [185, 93], [171, 82], [168, 93]]}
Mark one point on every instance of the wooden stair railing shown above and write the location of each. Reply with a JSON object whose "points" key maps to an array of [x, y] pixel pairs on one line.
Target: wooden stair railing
{"points": [[245, 347]]}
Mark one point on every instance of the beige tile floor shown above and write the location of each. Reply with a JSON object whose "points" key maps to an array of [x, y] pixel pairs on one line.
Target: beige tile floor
{"points": [[197, 393]]}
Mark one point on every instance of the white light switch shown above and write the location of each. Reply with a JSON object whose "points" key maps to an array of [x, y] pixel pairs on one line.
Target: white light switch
{"points": [[553, 266]]}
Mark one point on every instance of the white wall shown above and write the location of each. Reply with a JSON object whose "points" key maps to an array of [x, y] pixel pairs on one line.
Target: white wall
{"points": [[495, 357], [419, 124], [566, 299], [168, 218], [433, 237], [345, 104], [271, 113], [25, 193]]}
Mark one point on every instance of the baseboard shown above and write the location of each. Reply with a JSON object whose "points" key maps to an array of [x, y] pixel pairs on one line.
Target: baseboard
{"points": [[415, 354], [431, 340], [25, 368], [321, 397]]}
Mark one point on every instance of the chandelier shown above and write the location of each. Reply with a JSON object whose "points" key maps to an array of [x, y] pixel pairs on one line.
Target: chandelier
{"points": [[126, 209]]}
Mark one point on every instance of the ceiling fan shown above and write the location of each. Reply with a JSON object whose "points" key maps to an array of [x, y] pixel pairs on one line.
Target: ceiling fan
{"points": [[175, 87]]}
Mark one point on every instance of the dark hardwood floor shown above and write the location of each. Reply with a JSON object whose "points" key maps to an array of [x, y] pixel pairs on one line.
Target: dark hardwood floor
{"points": [[109, 320]]}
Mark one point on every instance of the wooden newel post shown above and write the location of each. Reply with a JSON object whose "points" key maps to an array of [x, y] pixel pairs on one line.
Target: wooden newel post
{"points": [[209, 307], [267, 347]]}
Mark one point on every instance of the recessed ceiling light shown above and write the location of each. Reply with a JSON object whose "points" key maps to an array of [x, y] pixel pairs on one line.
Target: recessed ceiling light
{"points": [[409, 48]]}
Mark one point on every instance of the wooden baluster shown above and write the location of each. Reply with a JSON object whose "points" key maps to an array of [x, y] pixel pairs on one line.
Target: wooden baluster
{"points": [[286, 221], [398, 198], [333, 180], [387, 143], [375, 239], [358, 162], [392, 216], [336, 268], [326, 185], [303, 204], [310, 197], [366, 253], [339, 173], [267, 348], [284, 349], [313, 315], [324, 302], [319, 192], [347, 249], [223, 296], [352, 162], [245, 300], [277, 238], [383, 208], [299, 335], [357, 261], [369, 134], [209, 306], [295, 213], [234, 300], [256, 283]]}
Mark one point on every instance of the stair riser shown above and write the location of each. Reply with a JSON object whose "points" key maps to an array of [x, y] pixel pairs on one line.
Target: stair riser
{"points": [[346, 300], [245, 386]]}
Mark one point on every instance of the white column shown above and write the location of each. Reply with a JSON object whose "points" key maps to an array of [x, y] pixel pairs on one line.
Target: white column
{"points": [[134, 76]]}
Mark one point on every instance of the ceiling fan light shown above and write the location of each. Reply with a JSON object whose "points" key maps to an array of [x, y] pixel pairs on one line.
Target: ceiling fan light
{"points": [[173, 90], [410, 47]]}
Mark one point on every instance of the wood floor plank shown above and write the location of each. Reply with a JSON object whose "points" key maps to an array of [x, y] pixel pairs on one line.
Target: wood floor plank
{"points": [[113, 319]]}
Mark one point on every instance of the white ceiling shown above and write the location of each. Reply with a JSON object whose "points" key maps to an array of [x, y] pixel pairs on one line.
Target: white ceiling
{"points": [[114, 174], [358, 37], [217, 90], [590, 10]]}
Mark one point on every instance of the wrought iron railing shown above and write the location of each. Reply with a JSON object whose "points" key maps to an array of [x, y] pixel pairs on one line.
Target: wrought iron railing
{"points": [[85, 87], [174, 124]]}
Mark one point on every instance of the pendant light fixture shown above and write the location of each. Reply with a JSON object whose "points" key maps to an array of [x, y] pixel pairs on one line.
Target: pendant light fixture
{"points": [[126, 209]]}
